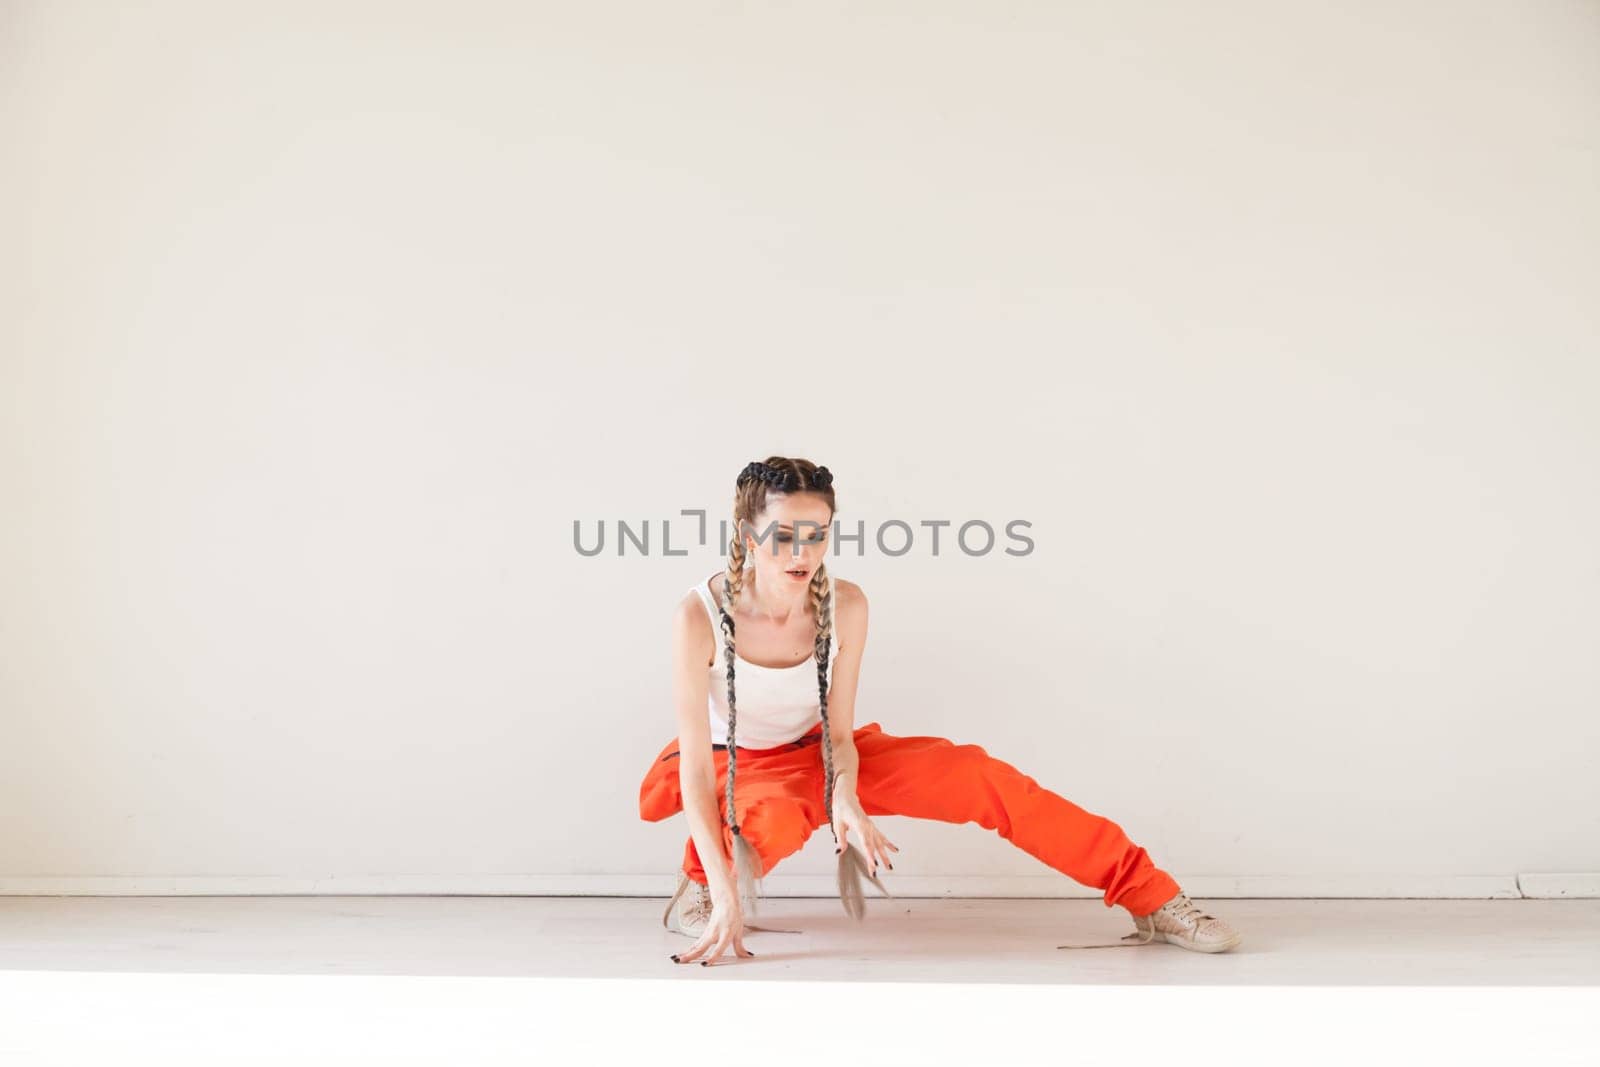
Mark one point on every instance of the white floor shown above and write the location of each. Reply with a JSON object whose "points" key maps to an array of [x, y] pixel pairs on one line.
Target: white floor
{"points": [[1286, 942]]}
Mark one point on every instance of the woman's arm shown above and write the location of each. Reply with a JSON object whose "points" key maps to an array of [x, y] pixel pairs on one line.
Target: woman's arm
{"points": [[697, 773], [851, 825], [850, 621]]}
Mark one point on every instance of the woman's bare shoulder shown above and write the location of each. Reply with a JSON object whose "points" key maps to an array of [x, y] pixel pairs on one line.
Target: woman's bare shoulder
{"points": [[849, 600], [690, 620]]}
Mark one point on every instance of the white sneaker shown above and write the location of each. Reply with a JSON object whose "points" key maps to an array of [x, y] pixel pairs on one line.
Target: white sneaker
{"points": [[1178, 922], [688, 913]]}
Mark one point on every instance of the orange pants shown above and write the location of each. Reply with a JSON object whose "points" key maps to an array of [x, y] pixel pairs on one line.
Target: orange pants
{"points": [[780, 804]]}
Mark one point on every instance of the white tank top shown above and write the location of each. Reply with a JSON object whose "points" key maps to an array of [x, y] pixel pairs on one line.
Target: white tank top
{"points": [[776, 704]]}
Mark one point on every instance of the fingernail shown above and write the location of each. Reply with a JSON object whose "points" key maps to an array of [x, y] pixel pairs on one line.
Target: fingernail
{"points": [[838, 850], [705, 963], [673, 957]]}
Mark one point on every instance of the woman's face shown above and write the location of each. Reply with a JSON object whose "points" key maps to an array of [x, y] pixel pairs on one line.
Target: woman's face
{"points": [[794, 532]]}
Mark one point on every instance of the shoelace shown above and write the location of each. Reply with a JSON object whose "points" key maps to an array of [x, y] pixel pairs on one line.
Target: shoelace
{"points": [[700, 906], [1182, 910], [1187, 912]]}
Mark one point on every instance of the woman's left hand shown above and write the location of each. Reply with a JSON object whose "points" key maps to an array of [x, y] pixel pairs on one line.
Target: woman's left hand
{"points": [[847, 818]]}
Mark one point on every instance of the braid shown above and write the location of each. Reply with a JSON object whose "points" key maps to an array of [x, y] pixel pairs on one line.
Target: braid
{"points": [[852, 868], [733, 582], [746, 861], [822, 609]]}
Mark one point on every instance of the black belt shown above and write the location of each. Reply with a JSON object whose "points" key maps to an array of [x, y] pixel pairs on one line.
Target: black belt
{"points": [[809, 739]]}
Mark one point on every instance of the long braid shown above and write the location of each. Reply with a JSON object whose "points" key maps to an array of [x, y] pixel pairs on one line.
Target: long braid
{"points": [[821, 590], [747, 866], [852, 868]]}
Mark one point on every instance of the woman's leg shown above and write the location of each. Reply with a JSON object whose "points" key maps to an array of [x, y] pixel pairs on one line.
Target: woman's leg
{"points": [[934, 778], [779, 798]]}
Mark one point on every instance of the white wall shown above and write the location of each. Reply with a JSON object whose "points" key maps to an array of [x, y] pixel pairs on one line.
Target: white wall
{"points": [[323, 322]]}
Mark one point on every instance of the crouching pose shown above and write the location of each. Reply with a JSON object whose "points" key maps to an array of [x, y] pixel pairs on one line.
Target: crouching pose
{"points": [[758, 767]]}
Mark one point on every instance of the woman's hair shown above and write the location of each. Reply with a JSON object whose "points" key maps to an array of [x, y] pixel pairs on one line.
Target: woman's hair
{"points": [[782, 474]]}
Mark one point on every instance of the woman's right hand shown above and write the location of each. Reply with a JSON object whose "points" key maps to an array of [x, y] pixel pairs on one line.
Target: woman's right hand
{"points": [[724, 930]]}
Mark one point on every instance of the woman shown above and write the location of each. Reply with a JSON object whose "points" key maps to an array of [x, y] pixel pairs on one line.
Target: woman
{"points": [[786, 737]]}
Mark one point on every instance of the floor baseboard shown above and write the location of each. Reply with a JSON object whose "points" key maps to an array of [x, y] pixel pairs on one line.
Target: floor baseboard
{"points": [[1477, 887]]}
